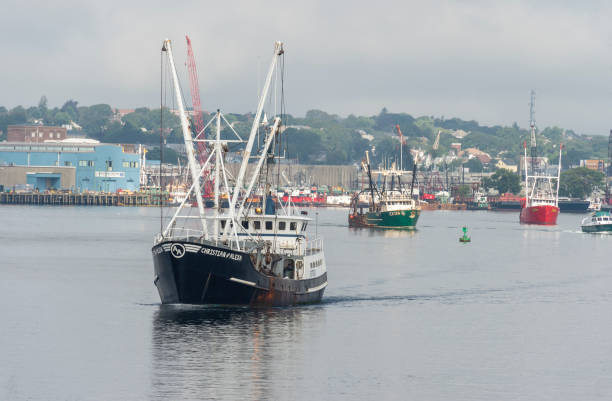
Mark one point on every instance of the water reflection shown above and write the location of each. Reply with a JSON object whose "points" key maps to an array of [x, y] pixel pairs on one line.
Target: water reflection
{"points": [[229, 353]]}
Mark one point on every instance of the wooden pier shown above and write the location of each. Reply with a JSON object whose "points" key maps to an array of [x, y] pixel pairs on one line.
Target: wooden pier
{"points": [[82, 199]]}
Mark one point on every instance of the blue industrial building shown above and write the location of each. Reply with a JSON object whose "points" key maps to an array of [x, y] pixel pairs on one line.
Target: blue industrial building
{"points": [[98, 166]]}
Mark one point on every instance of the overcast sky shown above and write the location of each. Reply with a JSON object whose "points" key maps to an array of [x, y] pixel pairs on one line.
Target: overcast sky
{"points": [[469, 59]]}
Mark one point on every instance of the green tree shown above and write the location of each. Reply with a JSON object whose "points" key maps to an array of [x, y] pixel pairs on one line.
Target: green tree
{"points": [[42, 107], [464, 191], [170, 155], [303, 144], [336, 156], [474, 164], [61, 118], [357, 146], [95, 119], [504, 181], [580, 182], [18, 115], [71, 108], [385, 148]]}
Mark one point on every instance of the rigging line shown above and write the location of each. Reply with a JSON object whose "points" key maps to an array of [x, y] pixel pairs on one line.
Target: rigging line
{"points": [[284, 108], [161, 130], [280, 130]]}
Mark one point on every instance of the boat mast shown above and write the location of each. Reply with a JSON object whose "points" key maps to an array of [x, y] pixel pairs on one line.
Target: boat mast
{"points": [[414, 170], [533, 130], [194, 170], [264, 154], [278, 50], [526, 176], [370, 178], [558, 175], [217, 171], [402, 143]]}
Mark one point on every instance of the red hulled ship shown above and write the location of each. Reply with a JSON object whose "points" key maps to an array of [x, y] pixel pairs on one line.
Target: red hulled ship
{"points": [[545, 214], [541, 204]]}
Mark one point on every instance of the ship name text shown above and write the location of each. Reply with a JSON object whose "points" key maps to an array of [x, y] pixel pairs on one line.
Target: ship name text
{"points": [[222, 254]]}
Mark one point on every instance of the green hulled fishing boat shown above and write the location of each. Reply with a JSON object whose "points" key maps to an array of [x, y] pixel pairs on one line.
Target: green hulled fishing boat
{"points": [[391, 207]]}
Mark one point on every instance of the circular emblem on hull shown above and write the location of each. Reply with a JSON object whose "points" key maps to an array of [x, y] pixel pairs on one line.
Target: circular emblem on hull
{"points": [[177, 250]]}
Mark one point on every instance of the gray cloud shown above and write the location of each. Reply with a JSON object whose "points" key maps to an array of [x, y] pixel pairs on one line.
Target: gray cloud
{"points": [[470, 59]]}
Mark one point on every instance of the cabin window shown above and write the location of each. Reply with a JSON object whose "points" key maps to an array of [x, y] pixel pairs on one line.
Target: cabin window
{"points": [[304, 225], [222, 223], [257, 225], [268, 225], [245, 224], [293, 226], [282, 225]]}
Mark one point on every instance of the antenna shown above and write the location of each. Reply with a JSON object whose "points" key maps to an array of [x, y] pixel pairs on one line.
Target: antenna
{"points": [[532, 125], [532, 110]]}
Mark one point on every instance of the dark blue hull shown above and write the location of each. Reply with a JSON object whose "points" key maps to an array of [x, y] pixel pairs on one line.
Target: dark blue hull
{"points": [[574, 206], [192, 273]]}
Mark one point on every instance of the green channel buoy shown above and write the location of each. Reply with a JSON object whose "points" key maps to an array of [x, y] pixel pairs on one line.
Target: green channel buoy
{"points": [[465, 237]]}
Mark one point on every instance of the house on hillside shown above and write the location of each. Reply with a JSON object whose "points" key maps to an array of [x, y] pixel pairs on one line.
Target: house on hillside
{"points": [[459, 134], [484, 157], [506, 165]]}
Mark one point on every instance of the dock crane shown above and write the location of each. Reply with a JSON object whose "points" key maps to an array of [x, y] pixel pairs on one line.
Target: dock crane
{"points": [[198, 120], [437, 141]]}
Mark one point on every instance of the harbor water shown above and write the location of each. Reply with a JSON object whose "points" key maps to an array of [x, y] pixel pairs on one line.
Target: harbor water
{"points": [[520, 313]]}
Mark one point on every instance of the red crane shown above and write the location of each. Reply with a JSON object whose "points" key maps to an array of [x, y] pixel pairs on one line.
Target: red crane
{"points": [[198, 120], [399, 132]]}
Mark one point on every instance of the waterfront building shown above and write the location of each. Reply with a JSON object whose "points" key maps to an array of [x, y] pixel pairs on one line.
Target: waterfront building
{"points": [[596, 165], [34, 133], [98, 166], [27, 178]]}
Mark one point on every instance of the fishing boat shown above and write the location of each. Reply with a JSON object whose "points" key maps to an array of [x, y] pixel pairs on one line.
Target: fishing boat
{"points": [[599, 222], [594, 204], [541, 203], [391, 207], [245, 254], [541, 199], [478, 202]]}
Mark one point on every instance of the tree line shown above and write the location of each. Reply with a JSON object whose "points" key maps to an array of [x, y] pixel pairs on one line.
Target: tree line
{"points": [[323, 138]]}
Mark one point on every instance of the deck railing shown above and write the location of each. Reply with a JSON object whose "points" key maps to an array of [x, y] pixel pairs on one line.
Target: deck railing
{"points": [[299, 247]]}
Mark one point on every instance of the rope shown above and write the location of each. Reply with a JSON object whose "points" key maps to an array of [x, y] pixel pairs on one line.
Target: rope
{"points": [[161, 132]]}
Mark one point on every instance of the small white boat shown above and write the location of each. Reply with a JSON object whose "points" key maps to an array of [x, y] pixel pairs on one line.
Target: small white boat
{"points": [[599, 222], [594, 204]]}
